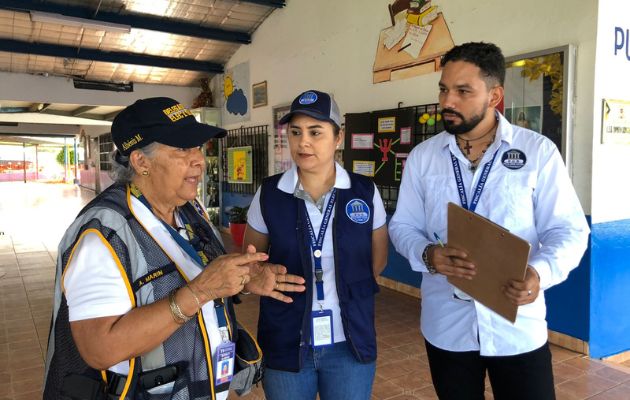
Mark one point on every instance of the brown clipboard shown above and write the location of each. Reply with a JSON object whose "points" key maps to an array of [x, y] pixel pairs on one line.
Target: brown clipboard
{"points": [[498, 255]]}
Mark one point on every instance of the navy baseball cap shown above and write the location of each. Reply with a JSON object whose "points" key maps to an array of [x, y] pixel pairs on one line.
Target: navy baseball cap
{"points": [[315, 104], [162, 120]]}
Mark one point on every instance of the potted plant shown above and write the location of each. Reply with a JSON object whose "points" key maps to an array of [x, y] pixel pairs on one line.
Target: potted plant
{"points": [[238, 221]]}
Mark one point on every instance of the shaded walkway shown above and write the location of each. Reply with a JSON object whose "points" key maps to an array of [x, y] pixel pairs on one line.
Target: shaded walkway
{"points": [[33, 217]]}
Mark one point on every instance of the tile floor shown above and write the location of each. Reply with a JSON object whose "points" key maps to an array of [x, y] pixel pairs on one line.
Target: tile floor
{"points": [[32, 220]]}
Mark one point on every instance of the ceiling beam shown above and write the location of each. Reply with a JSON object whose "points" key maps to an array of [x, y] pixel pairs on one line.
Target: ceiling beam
{"points": [[79, 111], [84, 115], [268, 3], [135, 20], [38, 107], [111, 116], [53, 50]]}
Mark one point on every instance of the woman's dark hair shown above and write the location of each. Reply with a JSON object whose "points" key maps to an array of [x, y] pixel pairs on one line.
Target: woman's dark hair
{"points": [[487, 56]]}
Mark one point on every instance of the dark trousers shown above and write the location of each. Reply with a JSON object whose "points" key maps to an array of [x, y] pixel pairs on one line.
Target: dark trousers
{"points": [[461, 375]]}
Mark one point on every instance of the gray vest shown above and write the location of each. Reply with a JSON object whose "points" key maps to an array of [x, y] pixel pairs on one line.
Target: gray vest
{"points": [[152, 275]]}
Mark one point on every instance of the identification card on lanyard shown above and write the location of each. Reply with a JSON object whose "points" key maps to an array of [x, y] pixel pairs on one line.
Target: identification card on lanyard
{"points": [[321, 320], [463, 199], [224, 358]]}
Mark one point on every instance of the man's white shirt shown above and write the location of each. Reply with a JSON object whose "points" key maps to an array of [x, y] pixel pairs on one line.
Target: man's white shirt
{"points": [[536, 202]]}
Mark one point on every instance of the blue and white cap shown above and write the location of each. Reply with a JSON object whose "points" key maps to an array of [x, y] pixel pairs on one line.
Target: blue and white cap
{"points": [[315, 104]]}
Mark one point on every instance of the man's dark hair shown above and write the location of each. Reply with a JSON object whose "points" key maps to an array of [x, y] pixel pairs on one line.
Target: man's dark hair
{"points": [[487, 56]]}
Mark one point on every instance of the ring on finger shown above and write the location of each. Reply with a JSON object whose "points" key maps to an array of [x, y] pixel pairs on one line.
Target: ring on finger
{"points": [[277, 286], [529, 292]]}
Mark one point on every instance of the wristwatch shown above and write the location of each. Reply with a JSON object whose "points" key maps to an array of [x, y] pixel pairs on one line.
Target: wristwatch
{"points": [[425, 259]]}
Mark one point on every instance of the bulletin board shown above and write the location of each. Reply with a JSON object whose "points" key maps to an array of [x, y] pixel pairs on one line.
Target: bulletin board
{"points": [[377, 144]]}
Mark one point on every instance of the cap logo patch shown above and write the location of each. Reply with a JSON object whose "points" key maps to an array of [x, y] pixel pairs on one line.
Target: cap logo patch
{"points": [[308, 98], [132, 142], [513, 159], [358, 211], [177, 112]]}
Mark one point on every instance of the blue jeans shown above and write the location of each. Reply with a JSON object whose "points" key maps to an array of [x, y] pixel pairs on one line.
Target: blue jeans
{"points": [[332, 371]]}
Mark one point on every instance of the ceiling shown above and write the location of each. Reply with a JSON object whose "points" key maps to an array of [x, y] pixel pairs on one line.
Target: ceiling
{"points": [[115, 43], [175, 42]]}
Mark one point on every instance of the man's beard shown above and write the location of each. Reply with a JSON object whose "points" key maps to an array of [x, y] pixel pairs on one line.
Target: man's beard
{"points": [[465, 126]]}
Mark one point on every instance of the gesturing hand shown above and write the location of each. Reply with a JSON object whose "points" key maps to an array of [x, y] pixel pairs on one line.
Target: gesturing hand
{"points": [[225, 276], [451, 262], [272, 279]]}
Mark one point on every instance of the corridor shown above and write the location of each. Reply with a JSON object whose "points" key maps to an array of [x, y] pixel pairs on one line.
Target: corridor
{"points": [[33, 217]]}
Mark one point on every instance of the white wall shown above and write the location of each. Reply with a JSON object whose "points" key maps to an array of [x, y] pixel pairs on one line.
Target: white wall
{"points": [[611, 190], [53, 89], [330, 45]]}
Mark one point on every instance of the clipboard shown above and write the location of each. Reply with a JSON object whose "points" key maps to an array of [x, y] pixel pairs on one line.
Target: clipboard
{"points": [[498, 255]]}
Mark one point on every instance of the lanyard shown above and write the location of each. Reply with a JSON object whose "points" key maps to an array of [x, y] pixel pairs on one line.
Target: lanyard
{"points": [[188, 248], [480, 185], [317, 243]]}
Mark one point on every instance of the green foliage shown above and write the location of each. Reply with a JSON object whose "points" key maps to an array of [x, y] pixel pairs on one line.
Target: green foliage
{"points": [[238, 215], [60, 156]]}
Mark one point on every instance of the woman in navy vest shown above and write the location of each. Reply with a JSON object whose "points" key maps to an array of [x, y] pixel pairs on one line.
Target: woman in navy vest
{"points": [[327, 225]]}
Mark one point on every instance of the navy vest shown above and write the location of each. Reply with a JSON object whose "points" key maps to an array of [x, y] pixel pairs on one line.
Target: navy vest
{"points": [[284, 330]]}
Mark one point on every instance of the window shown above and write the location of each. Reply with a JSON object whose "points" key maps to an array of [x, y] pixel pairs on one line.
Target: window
{"points": [[105, 147], [538, 90]]}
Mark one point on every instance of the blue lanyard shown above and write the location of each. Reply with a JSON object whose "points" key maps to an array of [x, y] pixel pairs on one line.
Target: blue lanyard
{"points": [[189, 249], [318, 243], [480, 185]]}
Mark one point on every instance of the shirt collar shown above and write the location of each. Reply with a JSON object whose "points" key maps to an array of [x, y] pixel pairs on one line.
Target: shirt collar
{"points": [[289, 179]]}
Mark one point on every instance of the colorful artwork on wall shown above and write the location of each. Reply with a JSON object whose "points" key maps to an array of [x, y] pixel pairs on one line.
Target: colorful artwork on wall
{"points": [[240, 164], [413, 44], [236, 92]]}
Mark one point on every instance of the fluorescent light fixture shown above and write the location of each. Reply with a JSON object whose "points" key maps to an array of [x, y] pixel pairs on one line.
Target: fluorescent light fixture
{"points": [[38, 16]]}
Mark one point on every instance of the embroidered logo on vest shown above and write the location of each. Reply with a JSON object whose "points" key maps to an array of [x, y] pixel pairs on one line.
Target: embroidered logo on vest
{"points": [[358, 211]]}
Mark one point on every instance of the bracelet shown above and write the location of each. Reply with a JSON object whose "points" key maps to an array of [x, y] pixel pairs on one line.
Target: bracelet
{"points": [[194, 296], [244, 293], [176, 312]]}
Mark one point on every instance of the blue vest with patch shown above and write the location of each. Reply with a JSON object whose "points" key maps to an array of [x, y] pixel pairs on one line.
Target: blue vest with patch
{"points": [[284, 330]]}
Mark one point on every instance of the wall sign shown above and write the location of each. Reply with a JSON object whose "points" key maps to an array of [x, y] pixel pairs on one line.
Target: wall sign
{"points": [[616, 122], [362, 141], [387, 124]]}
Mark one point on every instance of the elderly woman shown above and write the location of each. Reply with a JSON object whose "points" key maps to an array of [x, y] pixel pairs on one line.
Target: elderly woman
{"points": [[142, 298]]}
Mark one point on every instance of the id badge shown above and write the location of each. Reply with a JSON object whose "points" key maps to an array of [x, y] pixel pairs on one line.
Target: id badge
{"points": [[322, 328], [224, 362]]}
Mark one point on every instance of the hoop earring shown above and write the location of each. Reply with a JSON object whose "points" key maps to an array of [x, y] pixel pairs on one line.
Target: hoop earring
{"points": [[145, 173]]}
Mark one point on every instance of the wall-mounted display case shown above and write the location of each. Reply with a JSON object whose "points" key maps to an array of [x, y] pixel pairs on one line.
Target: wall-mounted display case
{"points": [[209, 190]]}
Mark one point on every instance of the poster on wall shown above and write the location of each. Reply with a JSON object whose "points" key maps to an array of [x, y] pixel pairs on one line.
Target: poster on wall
{"points": [[414, 42], [616, 122], [387, 124], [281, 153], [236, 94], [363, 167], [239, 164], [362, 141], [526, 117], [405, 135]]}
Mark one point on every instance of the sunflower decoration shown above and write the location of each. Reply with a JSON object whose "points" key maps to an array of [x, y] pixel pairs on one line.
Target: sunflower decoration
{"points": [[551, 66]]}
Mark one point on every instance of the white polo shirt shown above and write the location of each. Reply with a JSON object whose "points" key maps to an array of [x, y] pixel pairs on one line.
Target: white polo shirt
{"points": [[287, 184], [536, 202]]}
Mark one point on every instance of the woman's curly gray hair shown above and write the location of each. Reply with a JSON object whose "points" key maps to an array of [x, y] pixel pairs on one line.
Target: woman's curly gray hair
{"points": [[122, 171]]}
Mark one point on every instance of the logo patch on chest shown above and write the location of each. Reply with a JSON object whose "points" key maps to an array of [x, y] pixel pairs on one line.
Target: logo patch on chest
{"points": [[358, 211], [513, 159]]}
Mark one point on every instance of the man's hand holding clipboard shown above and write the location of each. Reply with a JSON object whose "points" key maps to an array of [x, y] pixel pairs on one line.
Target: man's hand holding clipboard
{"points": [[487, 262]]}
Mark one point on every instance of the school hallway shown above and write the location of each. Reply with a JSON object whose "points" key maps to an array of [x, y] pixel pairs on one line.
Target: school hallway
{"points": [[33, 217]]}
